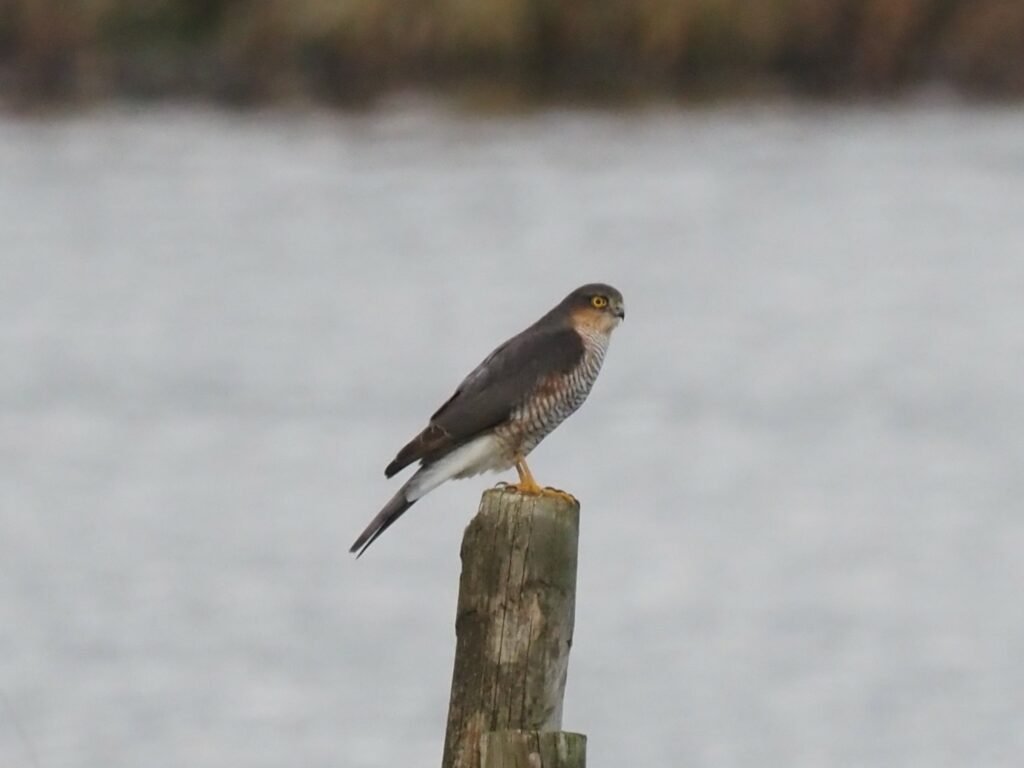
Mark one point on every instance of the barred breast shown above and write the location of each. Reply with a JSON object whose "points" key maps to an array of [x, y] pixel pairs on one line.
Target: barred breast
{"points": [[555, 399]]}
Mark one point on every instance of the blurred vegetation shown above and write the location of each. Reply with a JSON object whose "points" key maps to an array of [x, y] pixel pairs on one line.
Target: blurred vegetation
{"points": [[352, 50]]}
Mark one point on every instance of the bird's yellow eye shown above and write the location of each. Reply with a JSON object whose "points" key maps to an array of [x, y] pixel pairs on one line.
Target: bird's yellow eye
{"points": [[599, 301]]}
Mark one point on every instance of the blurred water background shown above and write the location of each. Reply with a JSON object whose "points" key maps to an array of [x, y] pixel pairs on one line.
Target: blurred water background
{"points": [[800, 470]]}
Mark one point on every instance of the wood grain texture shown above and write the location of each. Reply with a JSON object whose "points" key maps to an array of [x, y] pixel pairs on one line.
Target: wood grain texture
{"points": [[514, 622], [533, 749]]}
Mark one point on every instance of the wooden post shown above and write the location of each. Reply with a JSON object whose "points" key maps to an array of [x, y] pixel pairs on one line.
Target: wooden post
{"points": [[533, 749], [514, 622]]}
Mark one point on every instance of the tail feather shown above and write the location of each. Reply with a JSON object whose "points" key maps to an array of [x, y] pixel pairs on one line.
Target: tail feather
{"points": [[393, 510], [468, 459]]}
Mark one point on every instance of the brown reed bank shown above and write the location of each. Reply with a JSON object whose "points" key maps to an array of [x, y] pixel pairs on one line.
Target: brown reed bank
{"points": [[349, 51]]}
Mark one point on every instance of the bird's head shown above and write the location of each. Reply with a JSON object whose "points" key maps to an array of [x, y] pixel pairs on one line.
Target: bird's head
{"points": [[597, 306]]}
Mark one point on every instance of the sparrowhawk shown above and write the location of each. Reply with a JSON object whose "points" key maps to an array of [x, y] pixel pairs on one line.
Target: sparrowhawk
{"points": [[509, 403]]}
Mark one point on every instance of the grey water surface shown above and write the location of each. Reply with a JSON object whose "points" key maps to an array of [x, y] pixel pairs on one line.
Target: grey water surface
{"points": [[801, 470]]}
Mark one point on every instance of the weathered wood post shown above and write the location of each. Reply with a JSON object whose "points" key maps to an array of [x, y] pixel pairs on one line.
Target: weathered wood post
{"points": [[513, 625], [533, 749]]}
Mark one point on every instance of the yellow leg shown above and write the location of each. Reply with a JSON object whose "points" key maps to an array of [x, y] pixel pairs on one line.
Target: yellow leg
{"points": [[526, 482], [529, 486]]}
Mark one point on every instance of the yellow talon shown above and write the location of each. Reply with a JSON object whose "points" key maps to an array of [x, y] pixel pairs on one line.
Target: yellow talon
{"points": [[529, 486], [564, 495], [526, 482]]}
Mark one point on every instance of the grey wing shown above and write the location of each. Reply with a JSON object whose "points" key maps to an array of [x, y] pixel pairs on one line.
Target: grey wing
{"points": [[489, 394]]}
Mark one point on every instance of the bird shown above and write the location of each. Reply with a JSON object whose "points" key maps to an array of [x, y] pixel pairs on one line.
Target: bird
{"points": [[510, 402]]}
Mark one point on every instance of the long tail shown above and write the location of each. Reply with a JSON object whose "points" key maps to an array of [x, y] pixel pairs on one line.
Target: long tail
{"points": [[393, 510], [457, 463]]}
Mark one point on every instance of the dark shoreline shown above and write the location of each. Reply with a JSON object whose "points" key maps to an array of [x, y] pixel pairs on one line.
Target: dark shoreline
{"points": [[505, 53]]}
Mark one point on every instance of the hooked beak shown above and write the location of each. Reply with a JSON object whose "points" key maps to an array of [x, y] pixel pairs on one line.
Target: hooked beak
{"points": [[620, 312]]}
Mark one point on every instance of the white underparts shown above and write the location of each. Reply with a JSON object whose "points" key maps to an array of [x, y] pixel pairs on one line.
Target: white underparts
{"points": [[480, 455]]}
